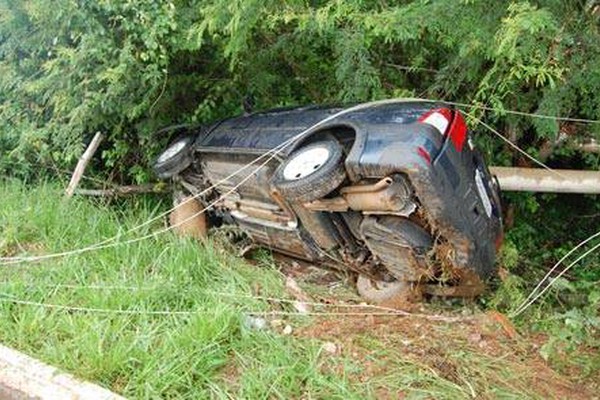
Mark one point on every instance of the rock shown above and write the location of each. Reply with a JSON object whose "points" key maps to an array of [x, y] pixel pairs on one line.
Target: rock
{"points": [[276, 323], [254, 323], [330, 347]]}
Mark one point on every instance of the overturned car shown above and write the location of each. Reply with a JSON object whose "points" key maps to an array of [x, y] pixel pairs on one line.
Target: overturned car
{"points": [[392, 191]]}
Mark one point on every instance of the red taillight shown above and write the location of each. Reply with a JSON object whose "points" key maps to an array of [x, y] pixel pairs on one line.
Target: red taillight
{"points": [[447, 122], [439, 119], [424, 154], [458, 131]]}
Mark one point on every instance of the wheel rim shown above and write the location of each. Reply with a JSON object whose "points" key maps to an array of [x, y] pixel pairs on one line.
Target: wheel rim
{"points": [[382, 285], [379, 291], [306, 163], [172, 150]]}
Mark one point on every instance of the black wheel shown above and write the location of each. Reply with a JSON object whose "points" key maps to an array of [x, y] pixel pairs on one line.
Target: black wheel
{"points": [[400, 244], [311, 172], [176, 158]]}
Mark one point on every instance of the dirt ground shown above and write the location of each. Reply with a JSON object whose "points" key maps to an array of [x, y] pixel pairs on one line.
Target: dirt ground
{"points": [[479, 338], [430, 343]]}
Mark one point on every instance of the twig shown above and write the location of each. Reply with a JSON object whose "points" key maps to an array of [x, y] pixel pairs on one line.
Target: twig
{"points": [[303, 300], [122, 190]]}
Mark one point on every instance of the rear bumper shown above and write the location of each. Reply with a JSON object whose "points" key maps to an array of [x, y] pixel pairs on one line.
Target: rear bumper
{"points": [[459, 210]]}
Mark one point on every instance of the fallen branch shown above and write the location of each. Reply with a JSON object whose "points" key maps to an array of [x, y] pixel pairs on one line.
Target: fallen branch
{"points": [[123, 190], [83, 162]]}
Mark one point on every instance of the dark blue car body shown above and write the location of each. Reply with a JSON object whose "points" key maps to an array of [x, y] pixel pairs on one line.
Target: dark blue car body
{"points": [[423, 144]]}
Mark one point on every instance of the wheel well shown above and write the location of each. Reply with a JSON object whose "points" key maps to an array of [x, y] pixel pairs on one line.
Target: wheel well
{"points": [[345, 135]]}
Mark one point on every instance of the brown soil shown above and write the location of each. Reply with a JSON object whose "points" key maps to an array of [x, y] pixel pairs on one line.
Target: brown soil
{"points": [[433, 343], [493, 349]]}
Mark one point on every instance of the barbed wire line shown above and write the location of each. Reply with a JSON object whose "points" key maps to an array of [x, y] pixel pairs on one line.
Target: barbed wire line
{"points": [[524, 307], [6, 298], [246, 296], [516, 147], [103, 244], [82, 250], [555, 266], [273, 153], [409, 68], [379, 310], [94, 310], [140, 226], [92, 287], [522, 113]]}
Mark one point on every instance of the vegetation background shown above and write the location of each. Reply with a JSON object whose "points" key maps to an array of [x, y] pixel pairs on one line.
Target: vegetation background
{"points": [[127, 68]]}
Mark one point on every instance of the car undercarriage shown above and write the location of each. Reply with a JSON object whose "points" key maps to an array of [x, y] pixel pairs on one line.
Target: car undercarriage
{"points": [[395, 193]]}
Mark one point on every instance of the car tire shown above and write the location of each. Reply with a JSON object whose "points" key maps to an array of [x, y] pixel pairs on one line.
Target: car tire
{"points": [[176, 158], [380, 292], [311, 172], [400, 244]]}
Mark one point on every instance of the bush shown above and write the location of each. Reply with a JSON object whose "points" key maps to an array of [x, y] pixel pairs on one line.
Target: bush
{"points": [[127, 68]]}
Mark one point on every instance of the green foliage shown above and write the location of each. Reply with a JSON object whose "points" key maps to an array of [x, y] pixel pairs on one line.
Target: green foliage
{"points": [[575, 329], [127, 68], [546, 228]]}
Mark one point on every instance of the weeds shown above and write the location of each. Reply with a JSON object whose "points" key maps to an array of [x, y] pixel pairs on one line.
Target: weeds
{"points": [[567, 316], [210, 352]]}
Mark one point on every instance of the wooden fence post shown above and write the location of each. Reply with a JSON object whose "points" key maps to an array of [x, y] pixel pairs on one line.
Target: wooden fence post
{"points": [[82, 163]]}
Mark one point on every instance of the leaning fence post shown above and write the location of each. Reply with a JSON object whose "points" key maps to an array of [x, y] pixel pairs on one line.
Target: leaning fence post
{"points": [[83, 162]]}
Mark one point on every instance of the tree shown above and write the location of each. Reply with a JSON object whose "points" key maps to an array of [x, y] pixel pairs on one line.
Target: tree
{"points": [[127, 68]]}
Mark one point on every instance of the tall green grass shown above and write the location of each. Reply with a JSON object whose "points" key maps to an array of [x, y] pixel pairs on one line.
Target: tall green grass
{"points": [[141, 355], [210, 352]]}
